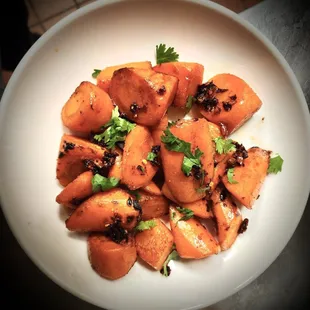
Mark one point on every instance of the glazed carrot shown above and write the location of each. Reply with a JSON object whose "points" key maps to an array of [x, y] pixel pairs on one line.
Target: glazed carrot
{"points": [[116, 170], [250, 177], [189, 74], [102, 209], [157, 131], [236, 102], [227, 216], [88, 108], [192, 240], [143, 95], [152, 189], [185, 188], [72, 152], [155, 244], [167, 193], [105, 75], [136, 170], [109, 259], [153, 206], [76, 191], [200, 208], [215, 131]]}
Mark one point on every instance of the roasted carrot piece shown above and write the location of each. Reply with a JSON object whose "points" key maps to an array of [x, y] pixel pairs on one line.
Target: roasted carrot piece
{"points": [[72, 152], [153, 206], [105, 75], [189, 74], [215, 131], [116, 170], [136, 170], [227, 216], [76, 191], [109, 259], [157, 131], [250, 177], [232, 105], [191, 239], [143, 95], [167, 193], [88, 108], [155, 244], [102, 209], [199, 208], [152, 189], [184, 188]]}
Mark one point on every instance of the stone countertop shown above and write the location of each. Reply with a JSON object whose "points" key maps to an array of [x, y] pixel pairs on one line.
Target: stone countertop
{"points": [[285, 284]]}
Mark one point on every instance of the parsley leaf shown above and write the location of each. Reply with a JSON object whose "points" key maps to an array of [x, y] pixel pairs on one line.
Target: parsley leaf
{"points": [[224, 145], [165, 55], [165, 270], [189, 103], [230, 175], [135, 193], [117, 129], [102, 183], [275, 164], [145, 225], [151, 156], [173, 143], [96, 73], [171, 123], [187, 213]]}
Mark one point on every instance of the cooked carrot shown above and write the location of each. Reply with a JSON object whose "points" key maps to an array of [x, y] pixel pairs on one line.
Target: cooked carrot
{"points": [[102, 209], [88, 108], [234, 106], [155, 244], [143, 95], [227, 216], [189, 74], [185, 188], [157, 131], [72, 152], [152, 189], [109, 259], [76, 191], [215, 131], [167, 193], [199, 208], [192, 240], [116, 170], [105, 75], [153, 206], [250, 177], [136, 170]]}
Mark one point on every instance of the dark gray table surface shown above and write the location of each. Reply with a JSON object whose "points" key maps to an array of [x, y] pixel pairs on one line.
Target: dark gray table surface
{"points": [[285, 284]]}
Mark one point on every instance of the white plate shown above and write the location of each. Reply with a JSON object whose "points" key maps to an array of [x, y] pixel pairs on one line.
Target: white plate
{"points": [[110, 32]]}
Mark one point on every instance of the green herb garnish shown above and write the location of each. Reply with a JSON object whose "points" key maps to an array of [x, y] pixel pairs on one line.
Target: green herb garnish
{"points": [[164, 54], [165, 270], [151, 156], [275, 164], [187, 213], [117, 129], [230, 175], [96, 73], [135, 193], [223, 146], [100, 183], [145, 225]]}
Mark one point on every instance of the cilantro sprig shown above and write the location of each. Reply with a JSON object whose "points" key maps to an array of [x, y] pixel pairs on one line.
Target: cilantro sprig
{"points": [[145, 225], [164, 54], [117, 129], [151, 156], [230, 176], [188, 214], [165, 270], [100, 183], [223, 146], [275, 164], [96, 73], [189, 103], [173, 143], [135, 193]]}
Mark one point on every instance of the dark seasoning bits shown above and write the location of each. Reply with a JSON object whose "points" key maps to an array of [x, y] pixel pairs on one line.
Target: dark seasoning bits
{"points": [[243, 227], [141, 169], [161, 90], [68, 146], [116, 232]]}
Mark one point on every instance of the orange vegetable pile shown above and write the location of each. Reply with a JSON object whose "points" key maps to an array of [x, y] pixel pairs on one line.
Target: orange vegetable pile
{"points": [[152, 206]]}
